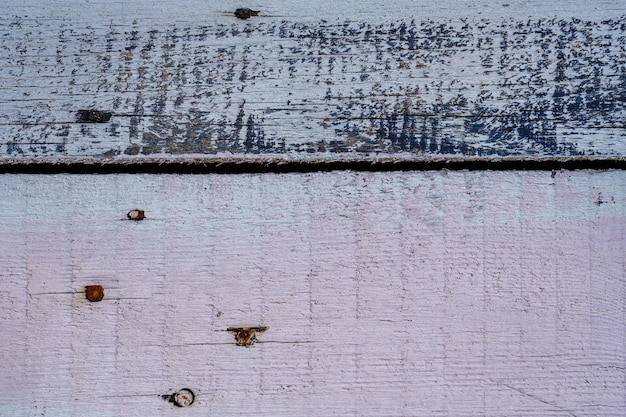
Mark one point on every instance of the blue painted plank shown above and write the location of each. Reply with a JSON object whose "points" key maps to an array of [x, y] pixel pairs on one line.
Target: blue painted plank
{"points": [[305, 88]]}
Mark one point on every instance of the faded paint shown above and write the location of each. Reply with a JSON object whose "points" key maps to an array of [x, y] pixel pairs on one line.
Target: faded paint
{"points": [[404, 293], [525, 79]]}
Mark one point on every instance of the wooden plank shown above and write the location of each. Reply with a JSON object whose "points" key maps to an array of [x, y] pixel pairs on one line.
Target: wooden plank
{"points": [[302, 81], [398, 293]]}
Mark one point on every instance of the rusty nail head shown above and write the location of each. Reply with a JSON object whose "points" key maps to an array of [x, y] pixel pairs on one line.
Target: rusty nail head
{"points": [[246, 336], [183, 398], [94, 293], [136, 214], [245, 13]]}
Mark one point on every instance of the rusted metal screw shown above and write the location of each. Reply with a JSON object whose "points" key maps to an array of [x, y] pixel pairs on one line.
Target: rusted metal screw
{"points": [[183, 398], [136, 214], [245, 13], [94, 293]]}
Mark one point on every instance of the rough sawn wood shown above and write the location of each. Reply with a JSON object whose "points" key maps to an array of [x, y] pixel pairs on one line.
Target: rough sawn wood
{"points": [[520, 79], [385, 294]]}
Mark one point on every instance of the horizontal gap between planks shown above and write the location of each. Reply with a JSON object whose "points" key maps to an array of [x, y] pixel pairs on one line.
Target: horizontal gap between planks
{"points": [[260, 165]]}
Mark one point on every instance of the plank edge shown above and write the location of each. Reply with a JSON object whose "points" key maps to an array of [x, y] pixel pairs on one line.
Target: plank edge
{"points": [[242, 165]]}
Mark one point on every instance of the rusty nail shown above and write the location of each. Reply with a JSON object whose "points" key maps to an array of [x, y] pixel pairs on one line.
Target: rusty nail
{"points": [[94, 116], [246, 336], [245, 13], [94, 293], [136, 214], [183, 398]]}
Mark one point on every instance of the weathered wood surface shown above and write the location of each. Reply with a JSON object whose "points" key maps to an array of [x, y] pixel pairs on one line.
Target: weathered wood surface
{"points": [[386, 294], [310, 80]]}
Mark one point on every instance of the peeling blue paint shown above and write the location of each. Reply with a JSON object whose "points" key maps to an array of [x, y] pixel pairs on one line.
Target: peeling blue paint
{"points": [[369, 87]]}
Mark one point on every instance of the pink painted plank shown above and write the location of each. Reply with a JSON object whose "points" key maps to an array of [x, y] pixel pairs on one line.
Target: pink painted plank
{"points": [[399, 293]]}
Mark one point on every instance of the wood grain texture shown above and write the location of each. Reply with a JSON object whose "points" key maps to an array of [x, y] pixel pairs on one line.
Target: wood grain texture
{"points": [[409, 80], [386, 294]]}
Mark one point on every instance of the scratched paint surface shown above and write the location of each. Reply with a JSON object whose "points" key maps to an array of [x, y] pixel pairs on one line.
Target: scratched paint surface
{"points": [[386, 294], [523, 79]]}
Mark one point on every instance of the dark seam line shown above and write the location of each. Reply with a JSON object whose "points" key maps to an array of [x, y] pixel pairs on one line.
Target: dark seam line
{"points": [[235, 166]]}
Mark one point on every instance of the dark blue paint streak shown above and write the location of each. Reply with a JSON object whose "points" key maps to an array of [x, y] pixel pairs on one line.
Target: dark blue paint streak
{"points": [[577, 81]]}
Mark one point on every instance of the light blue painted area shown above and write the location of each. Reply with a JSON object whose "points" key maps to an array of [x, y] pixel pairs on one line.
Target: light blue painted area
{"points": [[410, 79]]}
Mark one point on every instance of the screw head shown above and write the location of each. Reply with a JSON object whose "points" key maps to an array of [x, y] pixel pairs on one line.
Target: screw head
{"points": [[98, 116], [94, 116], [94, 293], [183, 398], [245, 13], [136, 214]]}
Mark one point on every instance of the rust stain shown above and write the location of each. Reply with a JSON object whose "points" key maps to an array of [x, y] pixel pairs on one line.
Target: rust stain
{"points": [[246, 336], [94, 293]]}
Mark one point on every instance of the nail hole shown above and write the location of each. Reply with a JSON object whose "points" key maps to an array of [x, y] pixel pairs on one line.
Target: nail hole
{"points": [[245, 13], [136, 214], [94, 293], [246, 336], [183, 398], [93, 116]]}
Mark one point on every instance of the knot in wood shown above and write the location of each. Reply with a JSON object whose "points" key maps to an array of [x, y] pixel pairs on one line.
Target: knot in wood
{"points": [[245, 13], [94, 293]]}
